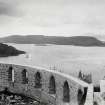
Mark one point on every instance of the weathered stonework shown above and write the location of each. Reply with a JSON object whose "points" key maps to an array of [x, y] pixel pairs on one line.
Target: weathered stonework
{"points": [[41, 94]]}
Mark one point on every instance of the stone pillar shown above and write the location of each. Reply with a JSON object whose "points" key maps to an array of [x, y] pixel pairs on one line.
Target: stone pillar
{"points": [[102, 91], [102, 86], [89, 97]]}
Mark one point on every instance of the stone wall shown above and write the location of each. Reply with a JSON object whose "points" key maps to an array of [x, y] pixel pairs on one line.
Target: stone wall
{"points": [[16, 84]]}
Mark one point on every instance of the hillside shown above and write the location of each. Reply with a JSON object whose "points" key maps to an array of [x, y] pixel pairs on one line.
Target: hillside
{"points": [[6, 51], [40, 39]]}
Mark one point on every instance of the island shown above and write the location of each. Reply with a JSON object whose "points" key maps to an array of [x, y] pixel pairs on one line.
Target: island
{"points": [[6, 51], [84, 41]]}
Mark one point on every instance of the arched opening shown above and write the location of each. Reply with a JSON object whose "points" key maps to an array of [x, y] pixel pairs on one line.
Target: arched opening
{"points": [[11, 74], [66, 92], [24, 77], [38, 83], [52, 85], [81, 96], [96, 88]]}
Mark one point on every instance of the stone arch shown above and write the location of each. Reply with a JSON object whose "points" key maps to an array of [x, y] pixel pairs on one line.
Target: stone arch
{"points": [[66, 92], [52, 85], [24, 76], [81, 96], [38, 79], [11, 74]]}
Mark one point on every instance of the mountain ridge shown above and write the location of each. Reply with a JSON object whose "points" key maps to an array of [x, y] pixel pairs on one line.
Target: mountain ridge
{"points": [[58, 40]]}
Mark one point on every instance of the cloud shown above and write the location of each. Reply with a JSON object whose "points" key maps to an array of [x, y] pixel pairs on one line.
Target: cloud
{"points": [[52, 16], [9, 8]]}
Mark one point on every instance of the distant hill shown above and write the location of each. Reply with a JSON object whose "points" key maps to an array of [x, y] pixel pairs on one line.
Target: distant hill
{"points": [[40, 39], [6, 51]]}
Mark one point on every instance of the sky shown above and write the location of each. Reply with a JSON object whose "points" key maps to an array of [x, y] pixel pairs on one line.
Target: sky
{"points": [[52, 17]]}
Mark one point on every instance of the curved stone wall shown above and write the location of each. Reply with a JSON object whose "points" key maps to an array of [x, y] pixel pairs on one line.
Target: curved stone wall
{"points": [[49, 86]]}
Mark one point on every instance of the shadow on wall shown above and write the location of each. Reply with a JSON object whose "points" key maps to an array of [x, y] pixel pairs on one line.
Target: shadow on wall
{"points": [[24, 76], [66, 92], [52, 85], [82, 96], [38, 83]]}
